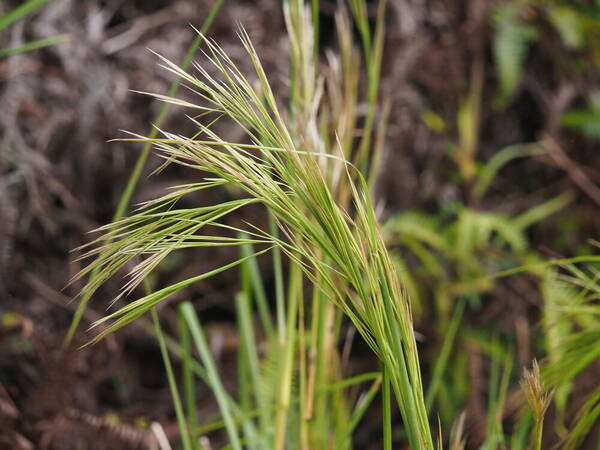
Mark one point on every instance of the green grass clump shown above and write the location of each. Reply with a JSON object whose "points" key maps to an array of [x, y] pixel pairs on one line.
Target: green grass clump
{"points": [[312, 166]]}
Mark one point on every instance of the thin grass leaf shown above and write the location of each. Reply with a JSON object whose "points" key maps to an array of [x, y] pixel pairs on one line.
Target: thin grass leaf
{"points": [[212, 374], [183, 426], [34, 45], [20, 12]]}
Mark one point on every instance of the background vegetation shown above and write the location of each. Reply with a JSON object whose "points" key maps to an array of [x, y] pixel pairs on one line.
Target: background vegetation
{"points": [[382, 232]]}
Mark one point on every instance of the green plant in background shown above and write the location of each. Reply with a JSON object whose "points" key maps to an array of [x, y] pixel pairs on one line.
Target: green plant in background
{"points": [[585, 120], [454, 261], [511, 43], [18, 13], [458, 260], [519, 23], [573, 28], [449, 260], [456, 257], [572, 327], [450, 250]]}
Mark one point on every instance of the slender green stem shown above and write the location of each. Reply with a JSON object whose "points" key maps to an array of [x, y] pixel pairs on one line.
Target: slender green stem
{"points": [[212, 373], [278, 272], [387, 411], [287, 355], [185, 436], [363, 405], [539, 428], [442, 359], [250, 353], [187, 375]]}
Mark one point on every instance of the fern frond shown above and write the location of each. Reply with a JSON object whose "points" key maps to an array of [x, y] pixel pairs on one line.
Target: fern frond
{"points": [[511, 41]]}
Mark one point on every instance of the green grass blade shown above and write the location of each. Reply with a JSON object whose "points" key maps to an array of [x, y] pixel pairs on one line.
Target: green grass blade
{"points": [[363, 404], [539, 212], [587, 416], [213, 378], [250, 353], [442, 360], [187, 375], [489, 171], [137, 308], [20, 12], [34, 45], [287, 353], [181, 421]]}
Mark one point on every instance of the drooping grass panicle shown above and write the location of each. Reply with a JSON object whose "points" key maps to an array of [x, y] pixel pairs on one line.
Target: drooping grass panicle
{"points": [[292, 184]]}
